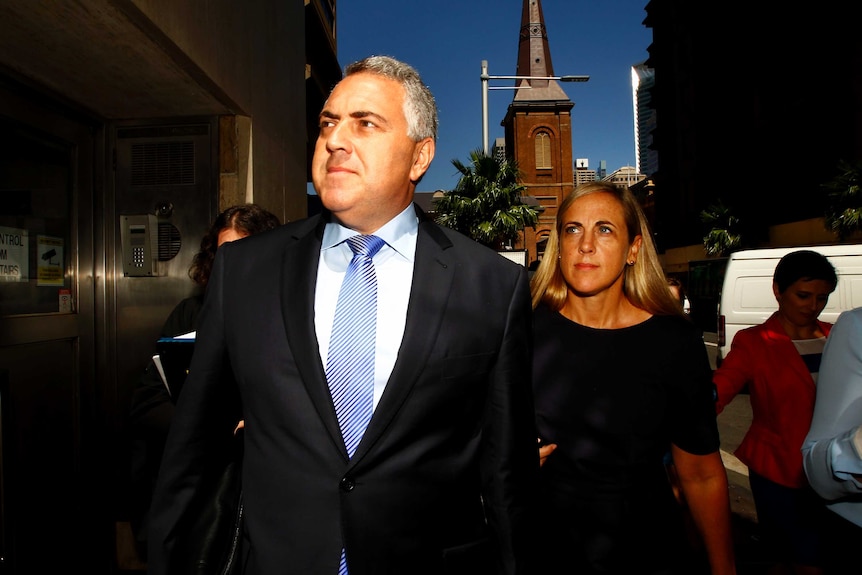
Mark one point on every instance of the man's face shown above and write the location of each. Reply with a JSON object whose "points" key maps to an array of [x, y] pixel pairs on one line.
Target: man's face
{"points": [[365, 166]]}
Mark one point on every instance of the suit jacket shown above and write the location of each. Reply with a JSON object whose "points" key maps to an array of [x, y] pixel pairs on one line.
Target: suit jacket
{"points": [[782, 399], [442, 479]]}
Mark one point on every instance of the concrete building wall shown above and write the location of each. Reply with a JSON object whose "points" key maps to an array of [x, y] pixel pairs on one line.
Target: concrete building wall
{"points": [[226, 42]]}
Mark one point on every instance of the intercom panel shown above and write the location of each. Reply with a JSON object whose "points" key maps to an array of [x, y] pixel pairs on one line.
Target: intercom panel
{"points": [[139, 235]]}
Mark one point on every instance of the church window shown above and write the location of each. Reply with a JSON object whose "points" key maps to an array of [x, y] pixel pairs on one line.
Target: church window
{"points": [[543, 151]]}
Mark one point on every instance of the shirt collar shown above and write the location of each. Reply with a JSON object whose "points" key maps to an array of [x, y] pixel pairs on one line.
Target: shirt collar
{"points": [[399, 233]]}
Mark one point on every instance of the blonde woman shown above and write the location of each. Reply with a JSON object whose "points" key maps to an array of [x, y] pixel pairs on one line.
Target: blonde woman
{"points": [[620, 378]]}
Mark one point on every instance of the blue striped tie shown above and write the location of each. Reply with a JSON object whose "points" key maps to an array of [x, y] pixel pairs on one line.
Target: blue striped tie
{"points": [[350, 362]]}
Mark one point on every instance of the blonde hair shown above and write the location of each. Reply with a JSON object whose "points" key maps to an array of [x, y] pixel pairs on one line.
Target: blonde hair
{"points": [[645, 285]]}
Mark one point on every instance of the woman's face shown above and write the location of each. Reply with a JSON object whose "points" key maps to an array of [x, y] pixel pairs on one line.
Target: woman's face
{"points": [[229, 235], [802, 302], [594, 244]]}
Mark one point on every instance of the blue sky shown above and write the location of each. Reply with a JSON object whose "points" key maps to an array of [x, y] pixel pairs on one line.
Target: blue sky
{"points": [[446, 41]]}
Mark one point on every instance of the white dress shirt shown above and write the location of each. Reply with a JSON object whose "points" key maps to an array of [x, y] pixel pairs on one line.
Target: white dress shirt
{"points": [[393, 265]]}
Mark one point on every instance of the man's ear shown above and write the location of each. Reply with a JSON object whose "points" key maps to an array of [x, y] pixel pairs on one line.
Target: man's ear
{"points": [[422, 156]]}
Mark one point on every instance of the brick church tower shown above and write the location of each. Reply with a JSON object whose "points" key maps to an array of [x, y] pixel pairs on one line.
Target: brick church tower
{"points": [[538, 128]]}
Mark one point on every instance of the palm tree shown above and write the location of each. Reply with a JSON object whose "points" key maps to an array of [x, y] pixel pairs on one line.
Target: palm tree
{"points": [[486, 203], [844, 200], [724, 234]]}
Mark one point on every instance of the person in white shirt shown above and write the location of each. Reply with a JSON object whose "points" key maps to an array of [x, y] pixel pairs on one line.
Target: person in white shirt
{"points": [[832, 451]]}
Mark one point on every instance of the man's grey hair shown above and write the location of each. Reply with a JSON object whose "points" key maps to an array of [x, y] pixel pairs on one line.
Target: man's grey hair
{"points": [[420, 108]]}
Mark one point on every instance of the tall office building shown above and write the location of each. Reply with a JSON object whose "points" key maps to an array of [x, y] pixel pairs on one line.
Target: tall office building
{"points": [[499, 149], [583, 173], [643, 80]]}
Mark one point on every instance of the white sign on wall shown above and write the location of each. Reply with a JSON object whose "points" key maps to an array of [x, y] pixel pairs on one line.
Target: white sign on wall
{"points": [[14, 255]]}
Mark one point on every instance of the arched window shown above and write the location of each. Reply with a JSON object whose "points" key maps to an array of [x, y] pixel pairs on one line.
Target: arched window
{"points": [[543, 151]]}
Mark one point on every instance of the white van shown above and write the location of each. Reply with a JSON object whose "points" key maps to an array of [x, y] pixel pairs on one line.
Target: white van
{"points": [[746, 296]]}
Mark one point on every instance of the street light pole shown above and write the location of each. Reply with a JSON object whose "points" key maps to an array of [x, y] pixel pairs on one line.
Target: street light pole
{"points": [[486, 78]]}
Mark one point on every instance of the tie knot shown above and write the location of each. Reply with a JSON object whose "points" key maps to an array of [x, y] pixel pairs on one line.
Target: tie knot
{"points": [[365, 245]]}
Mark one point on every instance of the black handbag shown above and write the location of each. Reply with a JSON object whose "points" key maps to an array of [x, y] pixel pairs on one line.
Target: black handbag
{"points": [[210, 545]]}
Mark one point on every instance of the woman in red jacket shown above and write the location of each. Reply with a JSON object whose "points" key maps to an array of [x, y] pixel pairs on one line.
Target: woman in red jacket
{"points": [[778, 360]]}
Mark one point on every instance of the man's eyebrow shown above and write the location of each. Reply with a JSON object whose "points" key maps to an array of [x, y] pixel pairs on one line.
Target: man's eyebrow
{"points": [[360, 114]]}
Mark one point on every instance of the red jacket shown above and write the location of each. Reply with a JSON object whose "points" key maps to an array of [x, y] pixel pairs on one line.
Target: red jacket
{"points": [[782, 399]]}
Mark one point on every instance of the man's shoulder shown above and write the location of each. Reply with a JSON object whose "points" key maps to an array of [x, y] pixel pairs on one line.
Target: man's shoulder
{"points": [[466, 247], [849, 316], [297, 228], [281, 234]]}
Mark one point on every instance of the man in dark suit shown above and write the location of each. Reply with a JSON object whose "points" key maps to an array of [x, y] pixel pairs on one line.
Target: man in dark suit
{"points": [[442, 479]]}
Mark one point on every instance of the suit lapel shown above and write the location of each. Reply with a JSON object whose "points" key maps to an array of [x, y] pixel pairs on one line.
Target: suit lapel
{"points": [[299, 276], [432, 280]]}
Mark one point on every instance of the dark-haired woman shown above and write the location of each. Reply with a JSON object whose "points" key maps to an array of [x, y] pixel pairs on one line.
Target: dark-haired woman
{"points": [[151, 406], [778, 362]]}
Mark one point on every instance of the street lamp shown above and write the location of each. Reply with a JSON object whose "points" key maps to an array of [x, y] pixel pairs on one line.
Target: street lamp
{"points": [[485, 78]]}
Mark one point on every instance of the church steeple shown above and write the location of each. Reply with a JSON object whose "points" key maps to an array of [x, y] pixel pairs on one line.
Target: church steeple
{"points": [[534, 57], [538, 129]]}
